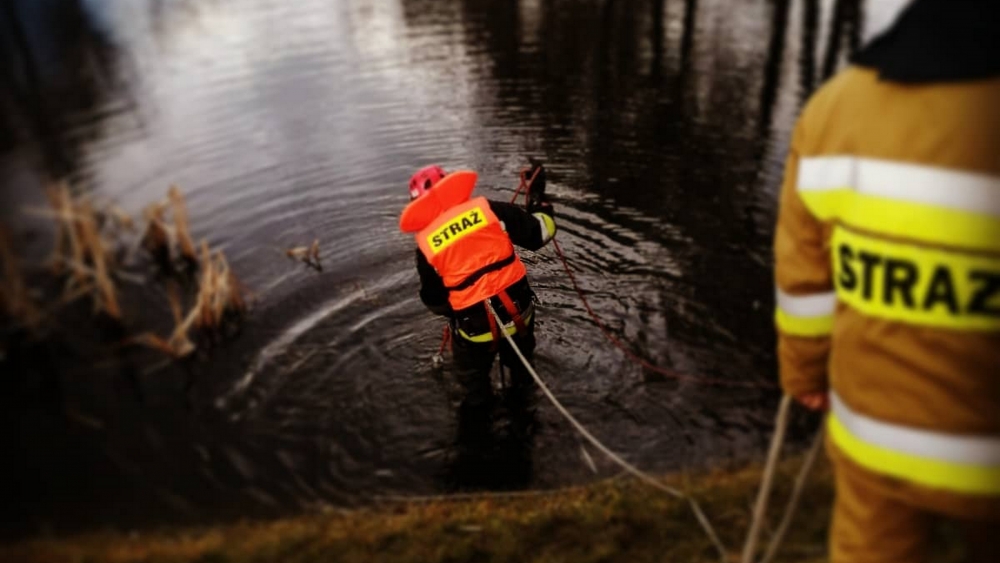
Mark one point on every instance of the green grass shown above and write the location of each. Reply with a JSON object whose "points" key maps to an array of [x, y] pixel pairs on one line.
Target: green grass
{"points": [[617, 520]]}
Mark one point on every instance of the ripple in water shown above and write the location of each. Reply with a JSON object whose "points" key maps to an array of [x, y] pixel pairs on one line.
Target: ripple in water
{"points": [[663, 132]]}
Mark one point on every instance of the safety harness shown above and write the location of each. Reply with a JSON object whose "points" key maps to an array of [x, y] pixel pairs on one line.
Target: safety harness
{"points": [[515, 315]]}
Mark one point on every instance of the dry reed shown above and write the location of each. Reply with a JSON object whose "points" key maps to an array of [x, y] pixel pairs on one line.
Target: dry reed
{"points": [[85, 237], [80, 248]]}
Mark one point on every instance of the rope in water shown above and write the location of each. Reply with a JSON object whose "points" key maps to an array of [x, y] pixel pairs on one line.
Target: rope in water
{"points": [[638, 473], [525, 187], [781, 423]]}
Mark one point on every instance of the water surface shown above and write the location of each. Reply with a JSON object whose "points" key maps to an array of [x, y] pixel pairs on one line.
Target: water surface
{"points": [[663, 125]]}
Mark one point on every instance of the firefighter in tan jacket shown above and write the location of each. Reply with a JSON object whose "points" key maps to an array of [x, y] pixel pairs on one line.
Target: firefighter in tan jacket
{"points": [[888, 281]]}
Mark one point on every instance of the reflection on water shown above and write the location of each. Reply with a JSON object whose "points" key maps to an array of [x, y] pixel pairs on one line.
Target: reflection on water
{"points": [[664, 130], [494, 441], [57, 66]]}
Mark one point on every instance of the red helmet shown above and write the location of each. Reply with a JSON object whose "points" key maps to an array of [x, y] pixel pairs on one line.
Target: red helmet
{"points": [[424, 179]]}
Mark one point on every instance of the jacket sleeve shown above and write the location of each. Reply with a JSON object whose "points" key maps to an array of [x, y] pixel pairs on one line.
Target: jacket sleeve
{"points": [[805, 300], [432, 290], [530, 231]]}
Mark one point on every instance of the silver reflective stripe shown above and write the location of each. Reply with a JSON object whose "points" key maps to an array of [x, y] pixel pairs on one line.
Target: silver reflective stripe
{"points": [[913, 183], [961, 449], [823, 173], [812, 305]]}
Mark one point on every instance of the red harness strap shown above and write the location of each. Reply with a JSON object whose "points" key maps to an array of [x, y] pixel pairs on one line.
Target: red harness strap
{"points": [[508, 304], [495, 328], [445, 340]]}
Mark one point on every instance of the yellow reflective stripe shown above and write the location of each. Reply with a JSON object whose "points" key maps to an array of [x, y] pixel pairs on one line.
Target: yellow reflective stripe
{"points": [[827, 205], [912, 284], [509, 328], [803, 326], [915, 221], [548, 226], [938, 474], [485, 337]]}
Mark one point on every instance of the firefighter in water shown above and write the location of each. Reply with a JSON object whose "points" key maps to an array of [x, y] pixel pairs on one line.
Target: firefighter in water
{"points": [[888, 281], [466, 256]]}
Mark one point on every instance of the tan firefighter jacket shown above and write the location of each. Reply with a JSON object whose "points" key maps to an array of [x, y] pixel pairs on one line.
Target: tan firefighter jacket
{"points": [[888, 281]]}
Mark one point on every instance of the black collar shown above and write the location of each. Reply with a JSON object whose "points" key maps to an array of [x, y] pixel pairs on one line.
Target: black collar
{"points": [[938, 41]]}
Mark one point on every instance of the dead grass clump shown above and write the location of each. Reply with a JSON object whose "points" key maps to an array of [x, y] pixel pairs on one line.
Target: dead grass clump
{"points": [[220, 297], [83, 258], [168, 240], [219, 292], [309, 255], [81, 251], [220, 300]]}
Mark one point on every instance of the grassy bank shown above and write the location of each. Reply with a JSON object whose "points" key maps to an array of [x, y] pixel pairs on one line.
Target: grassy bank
{"points": [[611, 521], [616, 520]]}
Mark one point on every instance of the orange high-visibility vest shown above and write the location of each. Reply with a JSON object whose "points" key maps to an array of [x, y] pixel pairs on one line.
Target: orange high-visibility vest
{"points": [[468, 247]]}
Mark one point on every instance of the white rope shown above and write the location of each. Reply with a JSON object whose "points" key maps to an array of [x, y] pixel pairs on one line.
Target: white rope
{"points": [[760, 507], [793, 502], [642, 476]]}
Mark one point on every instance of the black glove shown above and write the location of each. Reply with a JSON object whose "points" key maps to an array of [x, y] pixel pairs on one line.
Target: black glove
{"points": [[542, 205], [538, 185]]}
